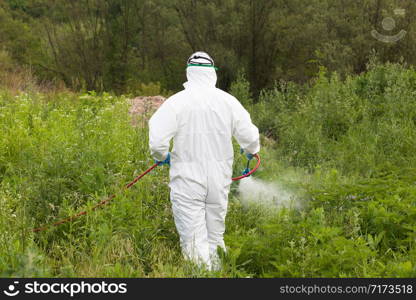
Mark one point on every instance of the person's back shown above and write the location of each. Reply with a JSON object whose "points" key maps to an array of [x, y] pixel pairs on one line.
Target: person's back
{"points": [[205, 121], [202, 121]]}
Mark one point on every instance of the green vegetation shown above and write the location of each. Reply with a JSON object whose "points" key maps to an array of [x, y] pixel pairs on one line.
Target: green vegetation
{"points": [[116, 45], [335, 106], [345, 147]]}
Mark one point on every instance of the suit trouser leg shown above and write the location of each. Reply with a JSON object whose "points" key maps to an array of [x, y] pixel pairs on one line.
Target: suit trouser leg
{"points": [[190, 221], [216, 211]]}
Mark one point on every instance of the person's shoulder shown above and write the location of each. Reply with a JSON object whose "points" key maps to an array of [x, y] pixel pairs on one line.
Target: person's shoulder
{"points": [[173, 101], [233, 101], [175, 97], [227, 96], [176, 102]]}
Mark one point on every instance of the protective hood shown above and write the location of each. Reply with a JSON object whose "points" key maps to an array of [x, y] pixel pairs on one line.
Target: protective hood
{"points": [[199, 76]]}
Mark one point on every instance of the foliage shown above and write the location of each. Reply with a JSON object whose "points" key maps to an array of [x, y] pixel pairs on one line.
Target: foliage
{"points": [[343, 147], [115, 45], [359, 126]]}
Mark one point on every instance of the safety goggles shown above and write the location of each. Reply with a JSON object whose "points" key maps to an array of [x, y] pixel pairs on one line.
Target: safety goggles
{"points": [[208, 64]]}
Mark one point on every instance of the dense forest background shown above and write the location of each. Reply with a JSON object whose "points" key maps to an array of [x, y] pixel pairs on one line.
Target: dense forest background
{"points": [[117, 45]]}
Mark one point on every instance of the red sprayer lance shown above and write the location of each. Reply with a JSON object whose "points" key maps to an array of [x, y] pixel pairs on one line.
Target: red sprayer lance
{"points": [[247, 172]]}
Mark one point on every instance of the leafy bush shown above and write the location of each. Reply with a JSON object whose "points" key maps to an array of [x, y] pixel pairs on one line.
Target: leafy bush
{"points": [[345, 148], [361, 229], [356, 137], [359, 126]]}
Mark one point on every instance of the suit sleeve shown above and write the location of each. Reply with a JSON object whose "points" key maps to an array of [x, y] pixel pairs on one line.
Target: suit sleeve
{"points": [[245, 132], [162, 128]]}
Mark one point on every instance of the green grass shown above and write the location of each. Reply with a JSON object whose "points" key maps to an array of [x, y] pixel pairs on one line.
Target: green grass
{"points": [[345, 148]]}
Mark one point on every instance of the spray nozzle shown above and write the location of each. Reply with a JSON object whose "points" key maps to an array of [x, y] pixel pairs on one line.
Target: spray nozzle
{"points": [[247, 169]]}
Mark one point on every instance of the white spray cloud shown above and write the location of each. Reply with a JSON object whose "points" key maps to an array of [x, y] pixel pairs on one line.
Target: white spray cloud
{"points": [[256, 191]]}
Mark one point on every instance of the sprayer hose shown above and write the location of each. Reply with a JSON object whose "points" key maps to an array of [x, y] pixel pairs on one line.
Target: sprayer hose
{"points": [[257, 157], [107, 201]]}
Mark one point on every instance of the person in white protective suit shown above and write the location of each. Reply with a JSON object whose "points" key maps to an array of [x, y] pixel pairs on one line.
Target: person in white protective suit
{"points": [[202, 120]]}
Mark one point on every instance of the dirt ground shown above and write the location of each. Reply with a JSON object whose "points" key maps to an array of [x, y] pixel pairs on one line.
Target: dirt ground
{"points": [[144, 107]]}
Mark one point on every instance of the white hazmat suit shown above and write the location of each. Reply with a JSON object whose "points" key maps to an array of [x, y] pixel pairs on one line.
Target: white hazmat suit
{"points": [[202, 121]]}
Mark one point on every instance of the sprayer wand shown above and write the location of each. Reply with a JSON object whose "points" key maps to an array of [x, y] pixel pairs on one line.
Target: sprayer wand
{"points": [[247, 172]]}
